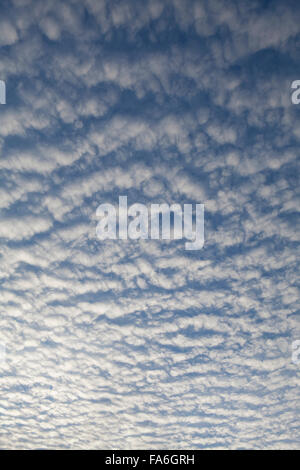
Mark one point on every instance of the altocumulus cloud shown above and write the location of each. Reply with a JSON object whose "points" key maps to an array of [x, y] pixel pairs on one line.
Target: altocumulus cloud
{"points": [[141, 344]]}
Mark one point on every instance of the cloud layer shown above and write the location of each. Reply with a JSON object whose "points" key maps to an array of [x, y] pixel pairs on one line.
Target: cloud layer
{"points": [[141, 344]]}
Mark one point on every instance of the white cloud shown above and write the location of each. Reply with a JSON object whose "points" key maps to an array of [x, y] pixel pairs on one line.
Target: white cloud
{"points": [[122, 344]]}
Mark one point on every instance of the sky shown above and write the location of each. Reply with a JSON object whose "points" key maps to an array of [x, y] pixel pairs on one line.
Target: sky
{"points": [[141, 344]]}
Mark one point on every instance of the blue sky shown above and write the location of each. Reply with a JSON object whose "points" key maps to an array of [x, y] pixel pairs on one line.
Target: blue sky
{"points": [[142, 344]]}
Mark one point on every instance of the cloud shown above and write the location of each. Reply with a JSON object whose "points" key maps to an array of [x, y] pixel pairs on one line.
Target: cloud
{"points": [[141, 344], [8, 34]]}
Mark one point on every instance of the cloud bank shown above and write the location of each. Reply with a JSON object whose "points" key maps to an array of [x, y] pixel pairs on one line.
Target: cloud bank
{"points": [[141, 344]]}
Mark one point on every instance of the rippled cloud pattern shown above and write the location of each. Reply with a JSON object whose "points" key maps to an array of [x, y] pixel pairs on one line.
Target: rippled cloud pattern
{"points": [[140, 344]]}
